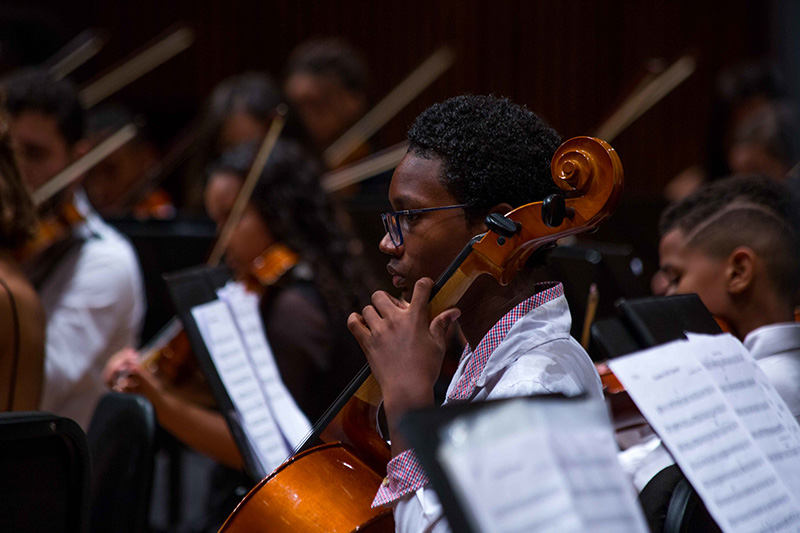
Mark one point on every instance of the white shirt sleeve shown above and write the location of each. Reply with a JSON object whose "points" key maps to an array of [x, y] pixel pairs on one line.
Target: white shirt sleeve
{"points": [[94, 303], [420, 512]]}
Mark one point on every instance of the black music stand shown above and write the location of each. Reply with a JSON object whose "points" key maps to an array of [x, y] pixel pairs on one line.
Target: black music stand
{"points": [[647, 322], [190, 288], [425, 430], [614, 269], [165, 246]]}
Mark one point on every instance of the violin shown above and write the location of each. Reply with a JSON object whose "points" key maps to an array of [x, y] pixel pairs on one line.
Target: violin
{"points": [[52, 228], [342, 463], [157, 204], [169, 354]]}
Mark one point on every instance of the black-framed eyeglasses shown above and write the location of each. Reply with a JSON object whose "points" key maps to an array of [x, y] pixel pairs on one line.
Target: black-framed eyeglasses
{"points": [[393, 221]]}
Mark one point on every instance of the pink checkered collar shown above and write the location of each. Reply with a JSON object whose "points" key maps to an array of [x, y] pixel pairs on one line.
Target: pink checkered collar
{"points": [[546, 292]]}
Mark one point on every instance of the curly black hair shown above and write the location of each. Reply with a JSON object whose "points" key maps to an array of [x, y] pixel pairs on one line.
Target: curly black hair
{"points": [[494, 151], [37, 90], [748, 210], [298, 213]]}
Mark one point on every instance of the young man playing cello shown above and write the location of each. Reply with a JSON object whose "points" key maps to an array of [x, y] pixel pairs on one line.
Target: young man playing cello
{"points": [[468, 157]]}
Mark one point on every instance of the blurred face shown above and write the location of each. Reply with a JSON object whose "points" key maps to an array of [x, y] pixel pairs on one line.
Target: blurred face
{"points": [[325, 106], [688, 270], [430, 240], [42, 152], [240, 128], [752, 158], [111, 179], [251, 236]]}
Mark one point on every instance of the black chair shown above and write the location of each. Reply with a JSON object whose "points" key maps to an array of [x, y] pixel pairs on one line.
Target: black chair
{"points": [[122, 441], [671, 505], [44, 473]]}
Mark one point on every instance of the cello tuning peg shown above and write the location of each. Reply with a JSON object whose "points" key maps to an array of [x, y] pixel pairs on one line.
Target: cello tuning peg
{"points": [[554, 209], [501, 225]]}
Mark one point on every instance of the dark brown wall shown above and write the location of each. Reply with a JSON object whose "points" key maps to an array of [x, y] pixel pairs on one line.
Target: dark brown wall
{"points": [[571, 61]]}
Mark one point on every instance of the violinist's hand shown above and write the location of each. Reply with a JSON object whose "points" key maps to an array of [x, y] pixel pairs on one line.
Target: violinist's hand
{"points": [[403, 347], [124, 373], [118, 367]]}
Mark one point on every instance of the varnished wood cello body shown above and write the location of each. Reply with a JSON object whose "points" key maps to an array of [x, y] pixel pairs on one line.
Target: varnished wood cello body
{"points": [[329, 484]]}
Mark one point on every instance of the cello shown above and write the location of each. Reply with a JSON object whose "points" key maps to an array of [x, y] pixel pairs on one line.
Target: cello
{"points": [[329, 483]]}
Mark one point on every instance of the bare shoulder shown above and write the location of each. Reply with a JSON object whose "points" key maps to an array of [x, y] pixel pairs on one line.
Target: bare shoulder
{"points": [[22, 328]]}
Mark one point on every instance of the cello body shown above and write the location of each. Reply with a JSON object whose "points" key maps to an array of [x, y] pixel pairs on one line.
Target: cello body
{"points": [[330, 484], [326, 489]]}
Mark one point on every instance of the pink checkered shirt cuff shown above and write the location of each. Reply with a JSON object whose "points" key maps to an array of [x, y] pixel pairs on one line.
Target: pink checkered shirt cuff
{"points": [[404, 475]]}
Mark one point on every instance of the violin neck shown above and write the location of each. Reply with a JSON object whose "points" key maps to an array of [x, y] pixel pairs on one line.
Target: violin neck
{"points": [[151, 349]]}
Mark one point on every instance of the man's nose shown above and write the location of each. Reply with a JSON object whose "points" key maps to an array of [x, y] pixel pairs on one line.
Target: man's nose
{"points": [[388, 247]]}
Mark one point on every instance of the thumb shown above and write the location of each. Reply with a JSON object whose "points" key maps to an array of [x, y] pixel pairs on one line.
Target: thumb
{"points": [[441, 323]]}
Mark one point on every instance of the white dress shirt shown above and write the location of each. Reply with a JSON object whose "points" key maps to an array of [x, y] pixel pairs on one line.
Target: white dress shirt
{"points": [[537, 356], [776, 348], [94, 301]]}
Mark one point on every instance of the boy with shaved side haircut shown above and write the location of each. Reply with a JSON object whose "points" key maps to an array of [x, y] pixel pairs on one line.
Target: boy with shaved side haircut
{"points": [[734, 242]]}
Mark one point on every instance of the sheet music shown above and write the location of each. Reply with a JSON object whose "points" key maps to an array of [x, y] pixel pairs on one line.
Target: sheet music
{"points": [[546, 466], [221, 336], [244, 305], [699, 424], [756, 401]]}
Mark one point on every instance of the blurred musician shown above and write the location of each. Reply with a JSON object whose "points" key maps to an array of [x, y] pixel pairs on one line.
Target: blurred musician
{"points": [[304, 309], [89, 281], [326, 81], [239, 111], [110, 184], [22, 318], [735, 243]]}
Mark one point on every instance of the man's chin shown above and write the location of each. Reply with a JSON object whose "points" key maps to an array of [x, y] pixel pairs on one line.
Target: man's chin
{"points": [[407, 293]]}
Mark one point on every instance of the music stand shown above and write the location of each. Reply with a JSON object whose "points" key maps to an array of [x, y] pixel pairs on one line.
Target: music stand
{"points": [[426, 431], [190, 288], [647, 322], [614, 269]]}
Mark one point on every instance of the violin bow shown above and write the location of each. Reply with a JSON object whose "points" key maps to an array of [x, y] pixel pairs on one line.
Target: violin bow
{"points": [[76, 52], [365, 168], [139, 64], [77, 169], [408, 89], [260, 161], [646, 96]]}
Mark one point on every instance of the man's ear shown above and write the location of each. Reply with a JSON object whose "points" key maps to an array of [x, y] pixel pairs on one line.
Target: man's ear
{"points": [[740, 270]]}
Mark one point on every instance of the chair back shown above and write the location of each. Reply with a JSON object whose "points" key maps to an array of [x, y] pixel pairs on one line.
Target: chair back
{"points": [[122, 442], [44, 473]]}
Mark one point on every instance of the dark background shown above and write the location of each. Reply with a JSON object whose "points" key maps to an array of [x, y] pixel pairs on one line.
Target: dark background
{"points": [[570, 61]]}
